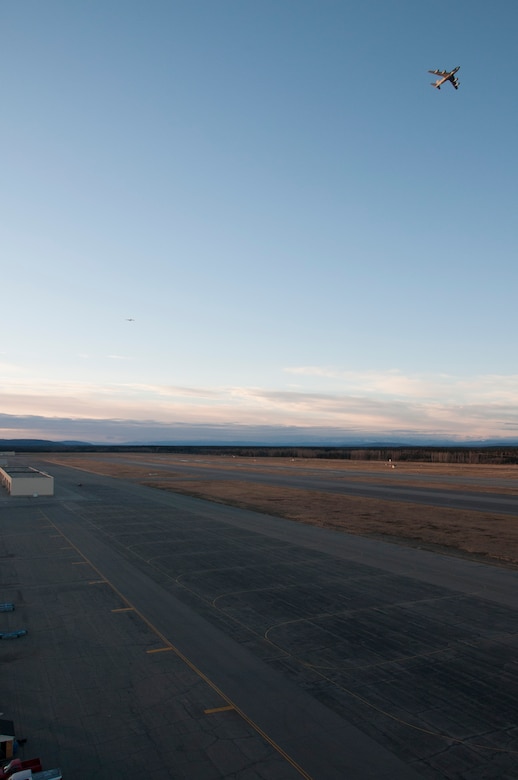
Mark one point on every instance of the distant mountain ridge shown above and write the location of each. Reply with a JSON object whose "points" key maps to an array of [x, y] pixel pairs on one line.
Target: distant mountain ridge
{"points": [[47, 445], [16, 444]]}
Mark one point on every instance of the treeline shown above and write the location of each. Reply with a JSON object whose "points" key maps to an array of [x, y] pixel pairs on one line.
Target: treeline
{"points": [[425, 454], [486, 455]]}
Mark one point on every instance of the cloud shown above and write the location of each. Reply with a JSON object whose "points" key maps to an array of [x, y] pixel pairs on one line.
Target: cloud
{"points": [[492, 388], [374, 404], [119, 357], [9, 368], [114, 431]]}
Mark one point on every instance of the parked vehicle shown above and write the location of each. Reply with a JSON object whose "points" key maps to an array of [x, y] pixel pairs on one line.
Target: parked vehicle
{"points": [[16, 765], [30, 769]]}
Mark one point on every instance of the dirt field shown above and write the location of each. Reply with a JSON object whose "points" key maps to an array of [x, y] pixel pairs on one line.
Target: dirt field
{"points": [[487, 536]]}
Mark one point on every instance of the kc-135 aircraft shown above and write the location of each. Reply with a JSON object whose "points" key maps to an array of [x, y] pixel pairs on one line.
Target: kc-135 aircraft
{"points": [[446, 75]]}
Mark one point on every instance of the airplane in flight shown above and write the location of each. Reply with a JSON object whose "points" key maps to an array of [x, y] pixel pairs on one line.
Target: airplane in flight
{"points": [[446, 75]]}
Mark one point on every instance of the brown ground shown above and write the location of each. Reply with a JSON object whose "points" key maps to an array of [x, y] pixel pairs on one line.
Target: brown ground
{"points": [[489, 536]]}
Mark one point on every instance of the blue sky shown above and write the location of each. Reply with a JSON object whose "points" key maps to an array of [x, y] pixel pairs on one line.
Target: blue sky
{"points": [[310, 239]]}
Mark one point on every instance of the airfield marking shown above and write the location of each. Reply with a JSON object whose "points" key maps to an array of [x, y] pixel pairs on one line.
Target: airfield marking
{"points": [[321, 671], [212, 710], [190, 664], [159, 650]]}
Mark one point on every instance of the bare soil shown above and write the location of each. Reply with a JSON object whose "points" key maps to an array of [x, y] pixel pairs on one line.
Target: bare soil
{"points": [[487, 536]]}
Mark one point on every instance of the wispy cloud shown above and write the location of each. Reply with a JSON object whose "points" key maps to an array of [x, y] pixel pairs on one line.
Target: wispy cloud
{"points": [[9, 368], [120, 431], [374, 404], [396, 384]]}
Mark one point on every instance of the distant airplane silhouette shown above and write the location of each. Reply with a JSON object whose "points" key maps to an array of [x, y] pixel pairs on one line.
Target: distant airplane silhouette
{"points": [[130, 319]]}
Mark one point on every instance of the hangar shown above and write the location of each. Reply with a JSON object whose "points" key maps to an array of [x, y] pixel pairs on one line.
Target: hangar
{"points": [[26, 481]]}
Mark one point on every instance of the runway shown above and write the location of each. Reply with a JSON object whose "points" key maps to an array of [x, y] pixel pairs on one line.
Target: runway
{"points": [[329, 656], [348, 483]]}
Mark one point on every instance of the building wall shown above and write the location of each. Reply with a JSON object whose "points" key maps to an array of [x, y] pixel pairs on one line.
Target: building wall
{"points": [[20, 484], [5, 479]]}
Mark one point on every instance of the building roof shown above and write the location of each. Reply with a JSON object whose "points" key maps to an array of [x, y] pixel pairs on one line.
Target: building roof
{"points": [[23, 471]]}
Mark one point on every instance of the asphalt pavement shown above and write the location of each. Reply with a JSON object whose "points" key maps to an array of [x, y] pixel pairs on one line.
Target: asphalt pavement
{"points": [[386, 487], [200, 641]]}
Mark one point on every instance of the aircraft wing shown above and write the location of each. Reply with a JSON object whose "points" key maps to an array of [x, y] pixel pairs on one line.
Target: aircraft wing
{"points": [[440, 72]]}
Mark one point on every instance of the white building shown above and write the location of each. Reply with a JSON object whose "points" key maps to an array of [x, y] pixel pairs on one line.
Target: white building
{"points": [[26, 481]]}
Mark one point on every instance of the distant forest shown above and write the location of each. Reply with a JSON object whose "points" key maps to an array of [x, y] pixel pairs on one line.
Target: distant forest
{"points": [[456, 454]]}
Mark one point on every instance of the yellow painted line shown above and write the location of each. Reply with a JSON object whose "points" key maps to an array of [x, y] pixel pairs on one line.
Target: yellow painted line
{"points": [[199, 673], [159, 650], [123, 609], [219, 709]]}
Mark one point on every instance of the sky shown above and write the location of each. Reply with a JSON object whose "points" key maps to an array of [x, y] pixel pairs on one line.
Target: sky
{"points": [[255, 220]]}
